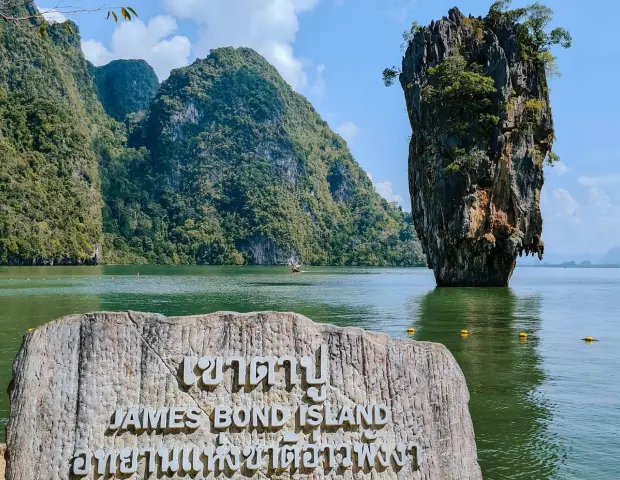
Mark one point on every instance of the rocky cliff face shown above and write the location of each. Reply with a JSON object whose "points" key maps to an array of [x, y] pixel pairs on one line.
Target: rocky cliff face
{"points": [[481, 130]]}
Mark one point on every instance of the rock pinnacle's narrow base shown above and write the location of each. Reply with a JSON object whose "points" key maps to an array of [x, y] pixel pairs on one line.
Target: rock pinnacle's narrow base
{"points": [[474, 276]]}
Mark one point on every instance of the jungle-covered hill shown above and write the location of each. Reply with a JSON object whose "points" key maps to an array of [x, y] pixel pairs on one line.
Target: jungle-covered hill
{"points": [[50, 123], [226, 164]]}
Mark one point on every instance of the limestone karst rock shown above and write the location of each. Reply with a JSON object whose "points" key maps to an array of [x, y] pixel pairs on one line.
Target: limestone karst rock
{"points": [[72, 374], [481, 130]]}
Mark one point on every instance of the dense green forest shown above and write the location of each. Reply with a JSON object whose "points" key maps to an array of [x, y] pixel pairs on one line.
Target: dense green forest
{"points": [[50, 201], [222, 164]]}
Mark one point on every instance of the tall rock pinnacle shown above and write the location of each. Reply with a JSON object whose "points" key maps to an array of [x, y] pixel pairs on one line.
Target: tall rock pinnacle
{"points": [[478, 103]]}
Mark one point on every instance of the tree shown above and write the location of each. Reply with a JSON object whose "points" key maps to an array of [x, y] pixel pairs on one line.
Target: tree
{"points": [[25, 14], [533, 22], [389, 74]]}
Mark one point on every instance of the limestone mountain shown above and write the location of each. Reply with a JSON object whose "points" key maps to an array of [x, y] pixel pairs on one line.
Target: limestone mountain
{"points": [[611, 258], [223, 163], [124, 86], [230, 165], [478, 103], [50, 201]]}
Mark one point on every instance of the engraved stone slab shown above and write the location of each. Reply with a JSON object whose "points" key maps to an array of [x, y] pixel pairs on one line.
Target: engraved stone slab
{"points": [[227, 395]]}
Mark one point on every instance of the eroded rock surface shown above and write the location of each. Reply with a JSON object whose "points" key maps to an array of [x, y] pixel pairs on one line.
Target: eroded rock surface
{"points": [[475, 157], [72, 374]]}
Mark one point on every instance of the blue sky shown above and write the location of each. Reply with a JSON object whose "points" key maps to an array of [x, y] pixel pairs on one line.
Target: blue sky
{"points": [[333, 52]]}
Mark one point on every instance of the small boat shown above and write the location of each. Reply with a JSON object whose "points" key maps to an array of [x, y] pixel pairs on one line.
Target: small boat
{"points": [[296, 269]]}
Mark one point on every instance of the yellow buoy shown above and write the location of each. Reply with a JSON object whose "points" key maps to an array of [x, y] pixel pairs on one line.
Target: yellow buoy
{"points": [[31, 329], [411, 331], [523, 335], [464, 333], [589, 339]]}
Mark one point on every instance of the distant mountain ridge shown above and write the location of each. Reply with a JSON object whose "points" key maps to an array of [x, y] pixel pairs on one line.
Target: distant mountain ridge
{"points": [[612, 257]]}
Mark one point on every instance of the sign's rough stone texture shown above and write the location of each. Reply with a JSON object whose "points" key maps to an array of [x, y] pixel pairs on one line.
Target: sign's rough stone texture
{"points": [[72, 375]]}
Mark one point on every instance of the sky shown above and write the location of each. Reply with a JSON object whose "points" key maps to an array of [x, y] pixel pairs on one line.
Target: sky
{"points": [[333, 52]]}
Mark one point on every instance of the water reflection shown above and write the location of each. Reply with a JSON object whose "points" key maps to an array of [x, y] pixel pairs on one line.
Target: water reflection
{"points": [[503, 375]]}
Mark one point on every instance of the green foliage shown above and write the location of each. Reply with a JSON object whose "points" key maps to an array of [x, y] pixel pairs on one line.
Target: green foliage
{"points": [[453, 168], [533, 35], [409, 35], [550, 63], [535, 105], [552, 158], [499, 7], [477, 26], [459, 95], [126, 13], [389, 75], [124, 86]]}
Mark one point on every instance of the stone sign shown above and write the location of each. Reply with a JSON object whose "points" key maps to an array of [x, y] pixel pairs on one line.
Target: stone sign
{"points": [[226, 395]]}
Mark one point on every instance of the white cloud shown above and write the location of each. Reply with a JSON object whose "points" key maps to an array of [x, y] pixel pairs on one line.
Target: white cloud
{"points": [[268, 26], [586, 221], [561, 168], [96, 53], [599, 200], [52, 15], [385, 190], [598, 181], [566, 205], [152, 42], [318, 88], [348, 130]]}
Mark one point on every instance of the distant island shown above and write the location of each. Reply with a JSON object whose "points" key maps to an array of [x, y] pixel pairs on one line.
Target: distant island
{"points": [[610, 260]]}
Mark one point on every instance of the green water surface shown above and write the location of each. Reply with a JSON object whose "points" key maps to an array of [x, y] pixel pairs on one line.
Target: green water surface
{"points": [[548, 408]]}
